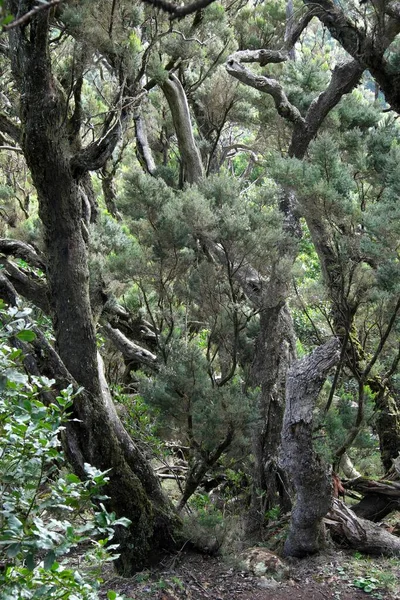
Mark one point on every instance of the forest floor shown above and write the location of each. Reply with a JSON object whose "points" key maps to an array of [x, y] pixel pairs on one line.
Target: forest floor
{"points": [[191, 576]]}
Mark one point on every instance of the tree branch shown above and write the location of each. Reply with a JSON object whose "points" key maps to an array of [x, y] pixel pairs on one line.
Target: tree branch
{"points": [[344, 79], [176, 11], [95, 155], [35, 291], [24, 19], [145, 155], [22, 250], [367, 49], [177, 102], [264, 84], [10, 128], [129, 349]]}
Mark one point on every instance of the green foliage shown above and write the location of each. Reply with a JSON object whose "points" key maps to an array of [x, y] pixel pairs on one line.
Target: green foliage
{"points": [[367, 584], [261, 25], [140, 421], [355, 111], [46, 511], [335, 426], [5, 17], [189, 401]]}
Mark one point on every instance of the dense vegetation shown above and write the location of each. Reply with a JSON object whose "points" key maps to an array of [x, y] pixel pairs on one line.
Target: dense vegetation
{"points": [[184, 228]]}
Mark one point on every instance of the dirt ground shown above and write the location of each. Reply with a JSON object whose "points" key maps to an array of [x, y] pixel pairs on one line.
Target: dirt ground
{"points": [[191, 576]]}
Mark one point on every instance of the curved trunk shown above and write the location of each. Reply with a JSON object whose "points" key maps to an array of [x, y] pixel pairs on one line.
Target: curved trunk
{"points": [[190, 155], [98, 437]]}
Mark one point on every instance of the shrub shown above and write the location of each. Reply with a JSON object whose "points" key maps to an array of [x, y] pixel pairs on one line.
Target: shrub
{"points": [[45, 511]]}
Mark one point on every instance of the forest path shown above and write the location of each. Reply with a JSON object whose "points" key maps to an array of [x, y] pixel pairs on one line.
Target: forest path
{"points": [[191, 576]]}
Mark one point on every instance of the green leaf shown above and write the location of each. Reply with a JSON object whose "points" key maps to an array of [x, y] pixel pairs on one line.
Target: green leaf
{"points": [[49, 560], [111, 595], [30, 562], [72, 478], [26, 335], [13, 550]]}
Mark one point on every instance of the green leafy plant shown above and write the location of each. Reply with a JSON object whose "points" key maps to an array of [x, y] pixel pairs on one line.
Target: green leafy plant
{"points": [[45, 512], [367, 584]]}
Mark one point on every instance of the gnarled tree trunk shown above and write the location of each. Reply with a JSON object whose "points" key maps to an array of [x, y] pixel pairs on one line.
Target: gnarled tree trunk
{"points": [[49, 146], [309, 476]]}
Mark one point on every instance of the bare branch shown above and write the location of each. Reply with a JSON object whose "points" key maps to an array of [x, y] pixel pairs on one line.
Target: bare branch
{"points": [[95, 155], [176, 11], [266, 85], [10, 128], [22, 250], [296, 30], [383, 340], [129, 349], [367, 48], [24, 19], [344, 79], [11, 149], [33, 290], [262, 56]]}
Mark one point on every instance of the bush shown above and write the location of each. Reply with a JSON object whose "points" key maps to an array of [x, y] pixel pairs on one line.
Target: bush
{"points": [[45, 511]]}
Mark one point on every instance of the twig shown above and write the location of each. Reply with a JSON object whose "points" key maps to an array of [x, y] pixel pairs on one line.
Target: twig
{"points": [[31, 13], [12, 148]]}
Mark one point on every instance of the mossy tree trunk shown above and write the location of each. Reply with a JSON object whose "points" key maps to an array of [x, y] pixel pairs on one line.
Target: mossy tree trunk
{"points": [[51, 146]]}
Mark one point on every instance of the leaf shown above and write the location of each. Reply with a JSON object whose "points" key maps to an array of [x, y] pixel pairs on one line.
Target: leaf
{"points": [[15, 376], [26, 335], [13, 550], [30, 562], [49, 560], [72, 478], [111, 595]]}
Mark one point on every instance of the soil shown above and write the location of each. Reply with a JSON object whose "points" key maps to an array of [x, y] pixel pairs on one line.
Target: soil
{"points": [[191, 576]]}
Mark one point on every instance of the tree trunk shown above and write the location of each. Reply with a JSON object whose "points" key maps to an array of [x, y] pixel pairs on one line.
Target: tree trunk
{"points": [[98, 438], [190, 155], [309, 476], [274, 353], [267, 362]]}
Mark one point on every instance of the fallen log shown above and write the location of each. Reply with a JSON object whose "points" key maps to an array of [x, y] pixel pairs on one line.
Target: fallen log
{"points": [[358, 533], [380, 497]]}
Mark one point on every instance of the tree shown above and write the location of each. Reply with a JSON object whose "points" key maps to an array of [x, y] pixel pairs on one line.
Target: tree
{"points": [[206, 265], [59, 167]]}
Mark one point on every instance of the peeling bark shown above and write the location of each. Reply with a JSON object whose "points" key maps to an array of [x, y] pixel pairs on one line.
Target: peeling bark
{"points": [[360, 534], [309, 476]]}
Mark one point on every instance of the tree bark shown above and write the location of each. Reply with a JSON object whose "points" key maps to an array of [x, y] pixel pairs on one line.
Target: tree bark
{"points": [[98, 436], [360, 534], [274, 353], [309, 476], [190, 155], [274, 338]]}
